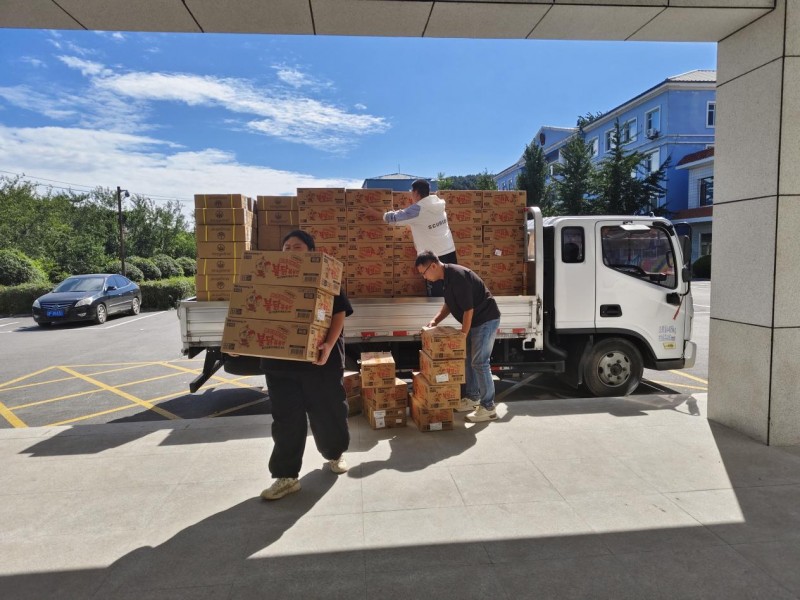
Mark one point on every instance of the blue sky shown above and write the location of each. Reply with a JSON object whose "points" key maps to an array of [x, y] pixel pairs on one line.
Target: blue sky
{"points": [[171, 115]]}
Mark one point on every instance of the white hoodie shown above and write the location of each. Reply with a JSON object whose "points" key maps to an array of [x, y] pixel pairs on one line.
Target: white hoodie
{"points": [[428, 222]]}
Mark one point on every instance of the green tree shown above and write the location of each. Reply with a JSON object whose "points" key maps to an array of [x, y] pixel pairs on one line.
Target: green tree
{"points": [[586, 119], [624, 184], [572, 177], [485, 181], [533, 176], [444, 183]]}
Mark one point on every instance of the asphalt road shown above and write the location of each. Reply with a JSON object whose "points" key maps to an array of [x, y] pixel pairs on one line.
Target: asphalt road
{"points": [[131, 369]]}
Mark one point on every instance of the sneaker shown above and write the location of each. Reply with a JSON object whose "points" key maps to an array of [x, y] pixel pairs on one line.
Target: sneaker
{"points": [[467, 405], [281, 487], [338, 465], [481, 414]]}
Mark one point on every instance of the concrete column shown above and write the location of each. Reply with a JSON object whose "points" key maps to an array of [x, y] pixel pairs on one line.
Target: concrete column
{"points": [[754, 370]]}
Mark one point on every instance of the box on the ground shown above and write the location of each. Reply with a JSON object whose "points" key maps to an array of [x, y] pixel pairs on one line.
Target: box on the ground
{"points": [[282, 303], [385, 418], [430, 419], [272, 339], [354, 404], [276, 203], [444, 341], [223, 249], [223, 216], [320, 196], [304, 269], [442, 371], [222, 201], [446, 395], [393, 396], [377, 369], [352, 382]]}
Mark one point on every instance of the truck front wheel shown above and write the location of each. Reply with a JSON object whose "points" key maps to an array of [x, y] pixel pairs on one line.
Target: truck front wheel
{"points": [[613, 367]]}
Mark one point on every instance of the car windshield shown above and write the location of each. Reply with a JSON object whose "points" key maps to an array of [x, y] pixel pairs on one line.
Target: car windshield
{"points": [[81, 284]]}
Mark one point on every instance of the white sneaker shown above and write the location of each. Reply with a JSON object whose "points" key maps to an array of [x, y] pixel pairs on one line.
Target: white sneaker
{"points": [[467, 405], [338, 465], [281, 487], [481, 414]]}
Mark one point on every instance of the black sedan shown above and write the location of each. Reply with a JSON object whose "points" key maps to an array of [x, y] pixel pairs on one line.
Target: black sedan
{"points": [[87, 298]]}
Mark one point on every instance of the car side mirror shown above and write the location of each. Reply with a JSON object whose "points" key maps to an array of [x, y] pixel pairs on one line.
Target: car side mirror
{"points": [[111, 288]]}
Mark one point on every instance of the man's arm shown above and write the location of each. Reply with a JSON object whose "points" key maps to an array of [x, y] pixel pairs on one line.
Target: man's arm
{"points": [[466, 321], [337, 325], [440, 316]]}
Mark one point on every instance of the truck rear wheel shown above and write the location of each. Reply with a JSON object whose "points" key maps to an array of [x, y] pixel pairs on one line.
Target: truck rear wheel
{"points": [[613, 367]]}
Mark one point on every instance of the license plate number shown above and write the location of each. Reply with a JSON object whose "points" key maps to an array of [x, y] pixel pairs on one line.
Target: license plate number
{"points": [[55, 313]]}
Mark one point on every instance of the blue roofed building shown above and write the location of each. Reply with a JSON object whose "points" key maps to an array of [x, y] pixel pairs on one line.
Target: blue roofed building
{"points": [[397, 182]]}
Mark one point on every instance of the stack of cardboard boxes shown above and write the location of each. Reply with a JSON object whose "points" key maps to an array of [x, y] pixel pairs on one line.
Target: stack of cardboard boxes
{"points": [[282, 305], [276, 216], [352, 391], [437, 386], [384, 396], [225, 230]]}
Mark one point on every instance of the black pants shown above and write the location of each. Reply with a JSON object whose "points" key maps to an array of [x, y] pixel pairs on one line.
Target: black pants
{"points": [[294, 394], [436, 289]]}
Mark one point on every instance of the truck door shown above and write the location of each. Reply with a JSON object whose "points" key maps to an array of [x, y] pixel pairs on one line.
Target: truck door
{"points": [[637, 284]]}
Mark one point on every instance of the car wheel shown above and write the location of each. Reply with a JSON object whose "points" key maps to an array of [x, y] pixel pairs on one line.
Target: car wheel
{"points": [[102, 314], [614, 367], [135, 306]]}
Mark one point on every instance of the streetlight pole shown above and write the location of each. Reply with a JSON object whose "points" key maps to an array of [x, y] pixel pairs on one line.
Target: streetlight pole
{"points": [[121, 228]]}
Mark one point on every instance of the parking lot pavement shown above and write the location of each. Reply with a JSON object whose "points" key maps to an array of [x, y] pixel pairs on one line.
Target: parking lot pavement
{"points": [[131, 369]]}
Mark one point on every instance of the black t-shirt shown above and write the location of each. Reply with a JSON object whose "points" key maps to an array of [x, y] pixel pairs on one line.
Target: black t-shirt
{"points": [[464, 290], [336, 358]]}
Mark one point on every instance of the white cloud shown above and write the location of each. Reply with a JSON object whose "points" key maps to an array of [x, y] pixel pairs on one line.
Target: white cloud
{"points": [[143, 165], [86, 67], [34, 62], [293, 77], [360, 106]]}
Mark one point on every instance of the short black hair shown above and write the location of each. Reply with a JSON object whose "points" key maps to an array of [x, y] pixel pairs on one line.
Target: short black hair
{"points": [[306, 238], [425, 258], [422, 187]]}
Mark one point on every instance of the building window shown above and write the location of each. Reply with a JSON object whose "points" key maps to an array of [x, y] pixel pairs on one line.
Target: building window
{"points": [[652, 122], [651, 161], [711, 114], [502, 187], [706, 193], [512, 183], [627, 131], [705, 244], [594, 146], [610, 140]]}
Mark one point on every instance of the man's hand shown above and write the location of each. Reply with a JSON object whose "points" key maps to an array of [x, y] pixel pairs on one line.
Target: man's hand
{"points": [[432, 324], [372, 213], [323, 352]]}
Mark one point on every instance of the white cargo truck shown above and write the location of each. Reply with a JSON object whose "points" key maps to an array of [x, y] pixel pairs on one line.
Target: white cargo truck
{"points": [[605, 297]]}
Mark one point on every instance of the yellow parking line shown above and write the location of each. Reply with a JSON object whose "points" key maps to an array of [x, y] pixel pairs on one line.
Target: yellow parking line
{"points": [[681, 385], [688, 376], [214, 377], [29, 385], [9, 416], [127, 396], [7, 383], [235, 408], [49, 400], [150, 379], [117, 370], [97, 414]]}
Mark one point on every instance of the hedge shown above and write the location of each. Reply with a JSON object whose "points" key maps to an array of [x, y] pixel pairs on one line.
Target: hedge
{"points": [[18, 299], [16, 269]]}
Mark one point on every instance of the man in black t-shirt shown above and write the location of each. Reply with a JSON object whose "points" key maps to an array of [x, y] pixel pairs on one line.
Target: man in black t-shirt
{"points": [[467, 298]]}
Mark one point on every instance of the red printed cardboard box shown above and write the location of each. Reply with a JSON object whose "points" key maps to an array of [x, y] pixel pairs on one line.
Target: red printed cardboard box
{"points": [[382, 252], [469, 249], [444, 341], [402, 234], [505, 286], [404, 288], [504, 250], [272, 339], [369, 269], [337, 251], [408, 252], [502, 267], [465, 198], [440, 372], [466, 233], [223, 216], [320, 196], [327, 233], [276, 203], [282, 303], [370, 234], [401, 200], [460, 215], [377, 369], [430, 419], [502, 215], [222, 201], [447, 395], [499, 234], [352, 383], [394, 396], [376, 198], [304, 269], [498, 198], [368, 288], [313, 214], [386, 418]]}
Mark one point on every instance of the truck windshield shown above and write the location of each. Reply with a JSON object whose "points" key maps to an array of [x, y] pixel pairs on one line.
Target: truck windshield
{"points": [[646, 255]]}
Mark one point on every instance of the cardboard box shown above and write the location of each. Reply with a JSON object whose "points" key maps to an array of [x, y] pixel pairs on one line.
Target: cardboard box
{"points": [[431, 419], [504, 250], [384, 252], [377, 369], [461, 215], [278, 217], [282, 303], [272, 339], [499, 234], [270, 237], [222, 201], [223, 249], [407, 288], [405, 269], [405, 251], [440, 372], [316, 215], [352, 383], [465, 198], [469, 250], [213, 296], [368, 288], [327, 233], [354, 405], [402, 234], [436, 396], [370, 234], [303, 269], [376, 198], [386, 418], [337, 251], [223, 216], [221, 282], [223, 233], [505, 286], [217, 266], [503, 215], [320, 196], [276, 203], [502, 267], [499, 198], [369, 269], [466, 233], [444, 341], [393, 396], [401, 200]]}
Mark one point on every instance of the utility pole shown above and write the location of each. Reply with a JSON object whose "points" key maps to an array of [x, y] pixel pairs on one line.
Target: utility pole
{"points": [[121, 228]]}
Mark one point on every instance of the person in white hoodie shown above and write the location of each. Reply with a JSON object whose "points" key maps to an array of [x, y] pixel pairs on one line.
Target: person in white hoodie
{"points": [[428, 222]]}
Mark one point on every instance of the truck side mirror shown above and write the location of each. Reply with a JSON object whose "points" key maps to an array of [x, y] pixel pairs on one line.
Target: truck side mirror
{"points": [[686, 249], [686, 274]]}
